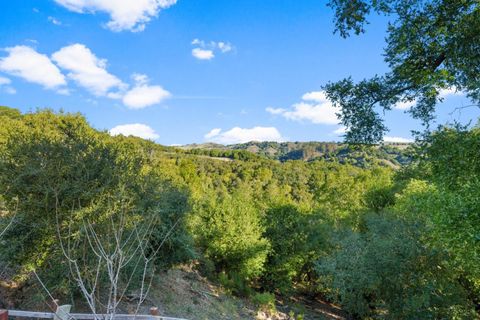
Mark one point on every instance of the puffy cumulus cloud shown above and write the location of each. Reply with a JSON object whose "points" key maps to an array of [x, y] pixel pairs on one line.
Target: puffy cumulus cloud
{"points": [[144, 95], [397, 139], [203, 54], [90, 72], [82, 67], [87, 70], [135, 129], [315, 113], [34, 67], [206, 50], [242, 135], [315, 108], [129, 15]]}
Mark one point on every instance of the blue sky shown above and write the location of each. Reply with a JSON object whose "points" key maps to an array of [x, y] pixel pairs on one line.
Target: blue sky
{"points": [[190, 71]]}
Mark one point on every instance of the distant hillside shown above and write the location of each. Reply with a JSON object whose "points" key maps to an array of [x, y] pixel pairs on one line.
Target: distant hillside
{"points": [[389, 154]]}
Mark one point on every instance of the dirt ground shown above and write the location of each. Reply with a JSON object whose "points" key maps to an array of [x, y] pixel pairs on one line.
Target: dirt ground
{"points": [[183, 293]]}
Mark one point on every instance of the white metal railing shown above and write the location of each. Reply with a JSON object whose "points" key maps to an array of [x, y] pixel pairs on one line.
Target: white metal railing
{"points": [[4, 314]]}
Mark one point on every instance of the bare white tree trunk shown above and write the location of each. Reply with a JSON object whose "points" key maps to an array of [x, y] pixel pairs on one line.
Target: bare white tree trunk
{"points": [[121, 245]]}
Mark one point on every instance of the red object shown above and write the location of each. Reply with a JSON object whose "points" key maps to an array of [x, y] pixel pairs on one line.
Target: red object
{"points": [[153, 311], [3, 315]]}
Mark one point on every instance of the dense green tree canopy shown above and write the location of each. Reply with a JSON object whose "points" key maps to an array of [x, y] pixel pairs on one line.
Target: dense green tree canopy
{"points": [[430, 45], [386, 272], [382, 242]]}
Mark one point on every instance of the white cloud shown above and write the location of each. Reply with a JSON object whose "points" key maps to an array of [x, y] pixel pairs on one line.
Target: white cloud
{"points": [[242, 135], [213, 133], [87, 70], [199, 42], [405, 105], [318, 96], [135, 129], [224, 47], [442, 93], [55, 21], [5, 85], [452, 91], [4, 81], [26, 63], [10, 90], [340, 131], [206, 50], [140, 78], [129, 15], [84, 68], [203, 54], [318, 114], [397, 139], [144, 95], [275, 110], [315, 108]]}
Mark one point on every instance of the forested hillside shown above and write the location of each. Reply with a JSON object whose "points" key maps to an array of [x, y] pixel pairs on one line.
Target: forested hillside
{"points": [[82, 210], [388, 154]]}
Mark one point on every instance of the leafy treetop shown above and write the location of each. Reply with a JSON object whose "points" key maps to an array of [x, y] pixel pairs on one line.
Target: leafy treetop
{"points": [[430, 45]]}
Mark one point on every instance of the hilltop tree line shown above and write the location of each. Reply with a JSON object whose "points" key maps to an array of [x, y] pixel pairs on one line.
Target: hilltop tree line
{"points": [[391, 154], [382, 243]]}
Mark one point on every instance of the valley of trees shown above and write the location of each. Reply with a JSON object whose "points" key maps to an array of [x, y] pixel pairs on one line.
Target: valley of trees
{"points": [[81, 209], [381, 231]]}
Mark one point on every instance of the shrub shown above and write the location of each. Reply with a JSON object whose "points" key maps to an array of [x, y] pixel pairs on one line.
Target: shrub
{"points": [[453, 220], [297, 240], [235, 284], [380, 198], [229, 233], [62, 172], [388, 272], [265, 301]]}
